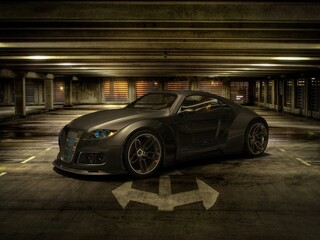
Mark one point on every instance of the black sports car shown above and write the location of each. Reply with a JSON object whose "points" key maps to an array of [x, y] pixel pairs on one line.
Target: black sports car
{"points": [[157, 130]]}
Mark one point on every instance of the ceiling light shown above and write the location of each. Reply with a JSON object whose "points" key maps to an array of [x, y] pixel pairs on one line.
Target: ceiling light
{"points": [[264, 65], [290, 58], [65, 64], [37, 57]]}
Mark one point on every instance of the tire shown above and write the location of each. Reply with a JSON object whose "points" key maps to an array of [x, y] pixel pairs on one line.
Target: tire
{"points": [[143, 154], [256, 138]]}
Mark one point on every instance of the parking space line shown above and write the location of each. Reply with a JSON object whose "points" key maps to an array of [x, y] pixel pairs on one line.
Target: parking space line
{"points": [[26, 141], [11, 159], [303, 162], [49, 148], [3, 173], [29, 159], [282, 150]]}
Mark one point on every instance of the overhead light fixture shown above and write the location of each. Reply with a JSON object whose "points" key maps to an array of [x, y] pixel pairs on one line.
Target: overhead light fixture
{"points": [[65, 64], [38, 57], [263, 65], [291, 58]]}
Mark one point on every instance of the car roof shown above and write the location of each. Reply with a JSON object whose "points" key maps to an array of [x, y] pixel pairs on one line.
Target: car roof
{"points": [[186, 92]]}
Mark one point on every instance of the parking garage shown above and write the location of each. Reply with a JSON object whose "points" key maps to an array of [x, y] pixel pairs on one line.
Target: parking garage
{"points": [[60, 60]]}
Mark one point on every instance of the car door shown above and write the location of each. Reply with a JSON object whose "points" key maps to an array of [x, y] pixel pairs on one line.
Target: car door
{"points": [[199, 125]]}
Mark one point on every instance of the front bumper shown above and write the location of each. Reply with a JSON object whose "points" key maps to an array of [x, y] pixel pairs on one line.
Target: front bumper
{"points": [[73, 148], [59, 164]]}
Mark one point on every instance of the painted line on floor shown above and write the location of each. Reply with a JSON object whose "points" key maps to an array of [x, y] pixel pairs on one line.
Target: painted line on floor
{"points": [[11, 159], [282, 150], [29, 159], [27, 140], [48, 149], [303, 162], [3, 173]]}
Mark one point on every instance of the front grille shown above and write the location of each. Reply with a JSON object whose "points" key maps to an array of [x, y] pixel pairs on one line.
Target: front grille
{"points": [[70, 144]]}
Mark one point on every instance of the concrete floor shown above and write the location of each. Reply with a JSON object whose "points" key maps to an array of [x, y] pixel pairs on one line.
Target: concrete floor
{"points": [[275, 196]]}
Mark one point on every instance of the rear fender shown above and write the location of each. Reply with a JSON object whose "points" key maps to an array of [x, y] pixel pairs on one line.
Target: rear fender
{"points": [[237, 131]]}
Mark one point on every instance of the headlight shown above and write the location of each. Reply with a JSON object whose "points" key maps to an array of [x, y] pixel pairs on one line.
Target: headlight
{"points": [[101, 133]]}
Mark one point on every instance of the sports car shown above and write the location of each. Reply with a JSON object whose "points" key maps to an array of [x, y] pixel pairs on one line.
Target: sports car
{"points": [[157, 130]]}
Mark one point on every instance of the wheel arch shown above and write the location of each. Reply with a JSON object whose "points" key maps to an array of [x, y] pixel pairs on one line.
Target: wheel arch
{"points": [[160, 129], [238, 129], [250, 124]]}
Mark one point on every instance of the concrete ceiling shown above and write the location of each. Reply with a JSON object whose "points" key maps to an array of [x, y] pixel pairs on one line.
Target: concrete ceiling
{"points": [[160, 38]]}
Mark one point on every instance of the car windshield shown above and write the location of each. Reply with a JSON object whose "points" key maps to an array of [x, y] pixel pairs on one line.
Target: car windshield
{"points": [[155, 101]]}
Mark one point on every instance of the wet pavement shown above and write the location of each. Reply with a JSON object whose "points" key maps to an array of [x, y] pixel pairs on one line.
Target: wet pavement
{"points": [[275, 196]]}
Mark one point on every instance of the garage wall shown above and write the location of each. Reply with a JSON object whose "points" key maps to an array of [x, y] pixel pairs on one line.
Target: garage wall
{"points": [[6, 91], [298, 95], [87, 91], [291, 94], [120, 90]]}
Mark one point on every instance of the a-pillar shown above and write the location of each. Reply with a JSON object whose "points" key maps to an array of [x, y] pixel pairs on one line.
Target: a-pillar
{"points": [[48, 89], [20, 94], [68, 91]]}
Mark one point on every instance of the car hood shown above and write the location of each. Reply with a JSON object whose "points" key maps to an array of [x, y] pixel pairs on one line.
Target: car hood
{"points": [[114, 119]]}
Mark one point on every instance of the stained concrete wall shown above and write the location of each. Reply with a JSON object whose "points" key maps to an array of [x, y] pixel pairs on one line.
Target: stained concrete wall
{"points": [[87, 91], [7, 91]]}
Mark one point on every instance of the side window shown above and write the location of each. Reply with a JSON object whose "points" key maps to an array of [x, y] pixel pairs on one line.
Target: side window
{"points": [[198, 103]]}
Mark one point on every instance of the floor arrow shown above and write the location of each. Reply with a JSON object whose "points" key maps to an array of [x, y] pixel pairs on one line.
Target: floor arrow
{"points": [[165, 200]]}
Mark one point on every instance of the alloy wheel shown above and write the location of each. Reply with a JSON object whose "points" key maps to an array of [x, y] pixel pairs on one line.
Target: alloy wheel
{"points": [[144, 154], [257, 138]]}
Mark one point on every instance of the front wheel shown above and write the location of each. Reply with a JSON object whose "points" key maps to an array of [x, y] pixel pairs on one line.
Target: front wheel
{"points": [[256, 138], [143, 154]]}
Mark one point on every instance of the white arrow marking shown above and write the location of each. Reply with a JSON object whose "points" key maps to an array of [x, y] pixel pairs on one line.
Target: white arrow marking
{"points": [[165, 200]]}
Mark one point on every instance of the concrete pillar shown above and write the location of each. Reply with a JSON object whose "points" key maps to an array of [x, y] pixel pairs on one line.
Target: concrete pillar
{"points": [[293, 94], [101, 90], [194, 84], [20, 94], [161, 83], [258, 86], [226, 90], [48, 89], [265, 103], [275, 94], [280, 94], [306, 96], [131, 90], [251, 91], [68, 92]]}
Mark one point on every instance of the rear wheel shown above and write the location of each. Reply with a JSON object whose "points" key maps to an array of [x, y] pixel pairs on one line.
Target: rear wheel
{"points": [[143, 154], [256, 138]]}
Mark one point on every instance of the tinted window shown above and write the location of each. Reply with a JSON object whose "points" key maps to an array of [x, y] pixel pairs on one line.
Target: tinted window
{"points": [[155, 101], [199, 103]]}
